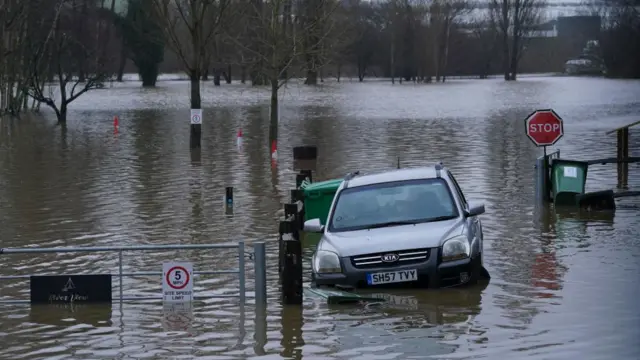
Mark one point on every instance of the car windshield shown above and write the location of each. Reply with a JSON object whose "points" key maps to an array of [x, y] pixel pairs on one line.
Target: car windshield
{"points": [[396, 203]]}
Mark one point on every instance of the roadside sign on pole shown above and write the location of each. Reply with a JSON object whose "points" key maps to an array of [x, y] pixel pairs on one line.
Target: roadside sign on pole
{"points": [[196, 116], [544, 127], [177, 282]]}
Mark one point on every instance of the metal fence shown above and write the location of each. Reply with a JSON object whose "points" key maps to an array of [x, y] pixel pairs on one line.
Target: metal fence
{"points": [[259, 258]]}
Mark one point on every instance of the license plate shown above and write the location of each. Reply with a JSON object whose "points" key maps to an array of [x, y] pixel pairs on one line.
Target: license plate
{"points": [[392, 277]]}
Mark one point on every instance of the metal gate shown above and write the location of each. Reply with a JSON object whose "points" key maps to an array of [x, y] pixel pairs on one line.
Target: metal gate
{"points": [[259, 258]]}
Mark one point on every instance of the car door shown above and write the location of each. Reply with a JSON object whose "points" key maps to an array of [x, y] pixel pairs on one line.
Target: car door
{"points": [[473, 222]]}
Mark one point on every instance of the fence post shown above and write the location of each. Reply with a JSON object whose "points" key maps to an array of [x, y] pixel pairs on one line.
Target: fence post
{"points": [[260, 265], [241, 272], [120, 272]]}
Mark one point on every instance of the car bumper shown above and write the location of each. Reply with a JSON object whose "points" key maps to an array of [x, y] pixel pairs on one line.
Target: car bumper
{"points": [[431, 274]]}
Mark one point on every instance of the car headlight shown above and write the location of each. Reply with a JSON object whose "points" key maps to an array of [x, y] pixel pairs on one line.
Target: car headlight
{"points": [[455, 249], [326, 262]]}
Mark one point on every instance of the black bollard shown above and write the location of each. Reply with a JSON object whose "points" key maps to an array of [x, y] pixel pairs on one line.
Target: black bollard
{"points": [[228, 200], [305, 153], [291, 214], [297, 195], [285, 227], [292, 273], [228, 195], [196, 128]]}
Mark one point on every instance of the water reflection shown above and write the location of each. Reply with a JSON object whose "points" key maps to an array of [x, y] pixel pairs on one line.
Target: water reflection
{"points": [[71, 314], [292, 323]]}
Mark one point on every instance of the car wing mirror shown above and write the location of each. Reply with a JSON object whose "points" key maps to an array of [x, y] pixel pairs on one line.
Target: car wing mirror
{"points": [[313, 225], [475, 208]]}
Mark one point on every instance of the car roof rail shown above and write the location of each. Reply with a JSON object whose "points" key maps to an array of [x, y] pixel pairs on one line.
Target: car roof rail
{"points": [[350, 176], [438, 167]]}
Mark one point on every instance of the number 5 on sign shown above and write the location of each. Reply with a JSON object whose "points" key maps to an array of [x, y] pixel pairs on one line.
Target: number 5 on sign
{"points": [[177, 282]]}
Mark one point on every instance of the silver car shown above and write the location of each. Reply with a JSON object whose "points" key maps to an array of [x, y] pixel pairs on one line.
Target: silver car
{"points": [[405, 227]]}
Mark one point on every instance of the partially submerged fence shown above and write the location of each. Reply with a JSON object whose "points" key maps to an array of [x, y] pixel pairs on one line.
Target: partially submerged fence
{"points": [[101, 281]]}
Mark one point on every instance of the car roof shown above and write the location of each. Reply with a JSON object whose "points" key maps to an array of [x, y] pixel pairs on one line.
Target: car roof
{"points": [[425, 172]]}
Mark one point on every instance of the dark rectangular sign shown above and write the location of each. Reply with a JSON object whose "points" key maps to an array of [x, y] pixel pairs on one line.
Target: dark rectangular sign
{"points": [[56, 289]]}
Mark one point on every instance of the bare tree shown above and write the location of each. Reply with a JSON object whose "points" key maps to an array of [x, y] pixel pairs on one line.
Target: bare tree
{"points": [[75, 60], [443, 14], [13, 28], [486, 36], [277, 48], [191, 27], [516, 19]]}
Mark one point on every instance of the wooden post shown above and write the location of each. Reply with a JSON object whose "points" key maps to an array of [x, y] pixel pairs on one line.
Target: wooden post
{"points": [[284, 228], [291, 215], [292, 273], [623, 157]]}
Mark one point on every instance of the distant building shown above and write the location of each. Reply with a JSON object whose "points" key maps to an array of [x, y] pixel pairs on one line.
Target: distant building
{"points": [[582, 28]]}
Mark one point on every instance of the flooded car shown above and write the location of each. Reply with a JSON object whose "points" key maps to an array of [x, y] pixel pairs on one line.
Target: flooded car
{"points": [[404, 228]]}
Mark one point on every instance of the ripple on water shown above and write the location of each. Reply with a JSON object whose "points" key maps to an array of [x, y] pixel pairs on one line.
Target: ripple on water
{"points": [[563, 285]]}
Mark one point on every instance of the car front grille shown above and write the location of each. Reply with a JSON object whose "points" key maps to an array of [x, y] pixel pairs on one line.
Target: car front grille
{"points": [[405, 257]]}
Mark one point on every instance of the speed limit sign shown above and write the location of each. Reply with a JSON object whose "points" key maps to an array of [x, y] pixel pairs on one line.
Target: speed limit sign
{"points": [[196, 116], [177, 282]]}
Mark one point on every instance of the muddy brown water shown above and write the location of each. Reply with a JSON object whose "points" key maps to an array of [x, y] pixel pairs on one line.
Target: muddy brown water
{"points": [[563, 286]]}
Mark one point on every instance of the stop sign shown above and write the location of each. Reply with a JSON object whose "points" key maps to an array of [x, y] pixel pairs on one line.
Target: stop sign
{"points": [[544, 127]]}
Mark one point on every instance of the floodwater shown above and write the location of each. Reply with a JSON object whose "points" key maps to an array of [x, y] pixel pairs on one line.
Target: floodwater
{"points": [[564, 286]]}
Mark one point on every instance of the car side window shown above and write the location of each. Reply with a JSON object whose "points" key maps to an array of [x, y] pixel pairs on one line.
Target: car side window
{"points": [[458, 189]]}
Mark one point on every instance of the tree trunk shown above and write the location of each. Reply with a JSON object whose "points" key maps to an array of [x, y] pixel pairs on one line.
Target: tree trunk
{"points": [[312, 76], [216, 77], [339, 71], [243, 74], [505, 39], [195, 89], [515, 48], [123, 62], [62, 112], [273, 114], [392, 63], [205, 74], [148, 74], [227, 76]]}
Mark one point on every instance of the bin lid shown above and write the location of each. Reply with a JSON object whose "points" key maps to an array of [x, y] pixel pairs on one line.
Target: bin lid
{"points": [[322, 186], [567, 162]]}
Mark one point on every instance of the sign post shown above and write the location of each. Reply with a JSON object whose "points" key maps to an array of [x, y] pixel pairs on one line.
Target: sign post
{"points": [[196, 128], [177, 282]]}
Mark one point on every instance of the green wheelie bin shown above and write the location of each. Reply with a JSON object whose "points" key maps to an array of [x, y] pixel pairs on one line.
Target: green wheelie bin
{"points": [[318, 198], [568, 180]]}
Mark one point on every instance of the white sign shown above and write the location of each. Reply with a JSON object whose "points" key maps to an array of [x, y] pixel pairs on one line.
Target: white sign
{"points": [[196, 116], [570, 171], [177, 282]]}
